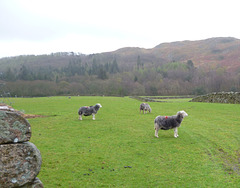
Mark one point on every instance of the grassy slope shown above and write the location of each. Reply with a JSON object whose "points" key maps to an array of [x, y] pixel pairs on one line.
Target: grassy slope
{"points": [[94, 153]]}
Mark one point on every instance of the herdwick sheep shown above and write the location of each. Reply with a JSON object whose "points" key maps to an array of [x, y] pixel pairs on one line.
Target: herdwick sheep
{"points": [[89, 110], [145, 107], [169, 122]]}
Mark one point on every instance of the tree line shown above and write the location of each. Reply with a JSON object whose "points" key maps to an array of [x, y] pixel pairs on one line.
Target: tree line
{"points": [[74, 67], [95, 78]]}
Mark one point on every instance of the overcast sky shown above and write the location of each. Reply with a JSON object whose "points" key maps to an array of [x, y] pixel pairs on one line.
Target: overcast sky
{"points": [[95, 26]]}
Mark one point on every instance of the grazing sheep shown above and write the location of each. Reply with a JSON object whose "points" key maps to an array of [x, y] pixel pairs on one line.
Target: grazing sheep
{"points": [[145, 107], [169, 122], [88, 110]]}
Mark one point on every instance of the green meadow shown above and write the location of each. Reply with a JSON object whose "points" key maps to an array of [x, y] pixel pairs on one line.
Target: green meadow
{"points": [[119, 149]]}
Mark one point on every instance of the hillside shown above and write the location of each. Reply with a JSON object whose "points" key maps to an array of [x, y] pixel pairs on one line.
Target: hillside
{"points": [[217, 51], [178, 68], [214, 51]]}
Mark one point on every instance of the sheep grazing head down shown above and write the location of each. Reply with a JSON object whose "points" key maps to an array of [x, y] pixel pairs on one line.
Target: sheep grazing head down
{"points": [[145, 107]]}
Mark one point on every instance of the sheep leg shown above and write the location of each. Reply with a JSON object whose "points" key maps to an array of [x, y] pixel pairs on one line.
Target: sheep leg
{"points": [[80, 117], [156, 130], [176, 132], [93, 115]]}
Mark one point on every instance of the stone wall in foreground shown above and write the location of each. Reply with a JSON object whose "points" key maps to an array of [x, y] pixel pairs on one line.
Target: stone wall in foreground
{"points": [[20, 160], [219, 97]]}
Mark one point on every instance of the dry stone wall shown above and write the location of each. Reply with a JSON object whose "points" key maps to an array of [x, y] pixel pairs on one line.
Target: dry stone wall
{"points": [[20, 160], [219, 97]]}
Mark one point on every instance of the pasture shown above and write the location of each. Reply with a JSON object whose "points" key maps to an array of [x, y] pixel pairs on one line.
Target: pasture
{"points": [[119, 149]]}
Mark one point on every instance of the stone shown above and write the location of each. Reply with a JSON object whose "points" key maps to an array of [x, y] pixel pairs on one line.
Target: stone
{"points": [[20, 164], [35, 184], [13, 128], [6, 108], [220, 97]]}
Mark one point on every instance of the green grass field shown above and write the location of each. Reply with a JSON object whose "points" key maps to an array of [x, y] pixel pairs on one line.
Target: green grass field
{"points": [[119, 149]]}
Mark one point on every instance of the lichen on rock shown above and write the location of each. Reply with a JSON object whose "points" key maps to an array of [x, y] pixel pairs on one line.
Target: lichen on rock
{"points": [[13, 128], [20, 164]]}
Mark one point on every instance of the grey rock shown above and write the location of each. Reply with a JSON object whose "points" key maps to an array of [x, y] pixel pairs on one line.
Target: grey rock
{"points": [[220, 97], [20, 164], [13, 128], [35, 184]]}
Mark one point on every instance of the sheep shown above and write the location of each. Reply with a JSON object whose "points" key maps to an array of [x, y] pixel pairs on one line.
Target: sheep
{"points": [[169, 122], [89, 110], [145, 107]]}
